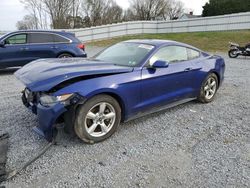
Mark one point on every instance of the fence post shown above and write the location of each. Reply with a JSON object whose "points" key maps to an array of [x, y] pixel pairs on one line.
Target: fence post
{"points": [[92, 34], [126, 24], [109, 31], [142, 27]]}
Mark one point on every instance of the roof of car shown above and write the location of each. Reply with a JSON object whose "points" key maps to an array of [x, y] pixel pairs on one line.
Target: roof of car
{"points": [[41, 31], [158, 43], [69, 35]]}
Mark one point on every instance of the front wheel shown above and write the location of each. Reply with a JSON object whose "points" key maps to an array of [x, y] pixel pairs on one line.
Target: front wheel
{"points": [[233, 54], [209, 88], [97, 119]]}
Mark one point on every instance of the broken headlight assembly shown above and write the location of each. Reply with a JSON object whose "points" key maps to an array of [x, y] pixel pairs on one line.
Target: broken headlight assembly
{"points": [[65, 99]]}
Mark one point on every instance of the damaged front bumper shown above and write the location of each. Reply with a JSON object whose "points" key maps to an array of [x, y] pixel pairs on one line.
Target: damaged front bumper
{"points": [[48, 115]]}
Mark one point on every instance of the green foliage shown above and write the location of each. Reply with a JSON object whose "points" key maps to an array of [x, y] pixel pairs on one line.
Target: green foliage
{"points": [[221, 7]]}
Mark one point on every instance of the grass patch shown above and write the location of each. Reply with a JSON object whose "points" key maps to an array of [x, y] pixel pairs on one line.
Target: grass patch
{"points": [[207, 41]]}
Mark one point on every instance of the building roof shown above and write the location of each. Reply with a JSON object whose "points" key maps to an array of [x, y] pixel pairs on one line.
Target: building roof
{"points": [[189, 16]]}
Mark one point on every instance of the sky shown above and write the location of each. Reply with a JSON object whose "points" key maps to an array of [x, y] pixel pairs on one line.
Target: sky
{"points": [[12, 11]]}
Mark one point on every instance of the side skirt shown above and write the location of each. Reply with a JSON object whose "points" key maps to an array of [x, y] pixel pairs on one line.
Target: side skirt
{"points": [[157, 109]]}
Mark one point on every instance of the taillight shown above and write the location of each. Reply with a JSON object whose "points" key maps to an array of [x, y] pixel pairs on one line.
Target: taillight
{"points": [[81, 46]]}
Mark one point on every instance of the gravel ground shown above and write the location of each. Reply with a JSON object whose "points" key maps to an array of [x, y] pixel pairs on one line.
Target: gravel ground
{"points": [[191, 145]]}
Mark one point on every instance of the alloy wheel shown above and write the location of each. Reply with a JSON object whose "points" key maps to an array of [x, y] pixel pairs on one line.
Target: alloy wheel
{"points": [[210, 88], [100, 119], [66, 56]]}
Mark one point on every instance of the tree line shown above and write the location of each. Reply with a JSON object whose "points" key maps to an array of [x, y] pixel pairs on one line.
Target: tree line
{"points": [[69, 14], [221, 7]]}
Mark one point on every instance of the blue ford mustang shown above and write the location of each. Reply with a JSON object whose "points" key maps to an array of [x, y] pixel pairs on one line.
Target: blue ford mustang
{"points": [[127, 80]]}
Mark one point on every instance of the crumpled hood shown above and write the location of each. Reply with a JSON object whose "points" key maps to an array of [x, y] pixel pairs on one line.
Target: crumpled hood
{"points": [[44, 74]]}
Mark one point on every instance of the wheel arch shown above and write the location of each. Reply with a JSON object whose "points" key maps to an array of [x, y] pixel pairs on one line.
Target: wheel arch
{"points": [[119, 99], [218, 76], [117, 95]]}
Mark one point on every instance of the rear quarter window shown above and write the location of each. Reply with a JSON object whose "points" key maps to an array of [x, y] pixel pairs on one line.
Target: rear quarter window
{"points": [[171, 54], [40, 38], [58, 38], [193, 54]]}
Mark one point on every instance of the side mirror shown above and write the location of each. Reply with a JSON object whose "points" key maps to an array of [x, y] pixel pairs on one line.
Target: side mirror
{"points": [[160, 64], [2, 44]]}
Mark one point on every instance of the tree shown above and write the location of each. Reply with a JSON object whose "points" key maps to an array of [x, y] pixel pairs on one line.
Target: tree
{"points": [[58, 11], [148, 9], [221, 7], [128, 15], [112, 14], [99, 12], [28, 22], [64, 14], [74, 21], [175, 9], [154, 10], [93, 9], [77, 20], [37, 11]]}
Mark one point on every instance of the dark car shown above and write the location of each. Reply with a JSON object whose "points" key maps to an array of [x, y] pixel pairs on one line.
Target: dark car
{"points": [[125, 81], [21, 47]]}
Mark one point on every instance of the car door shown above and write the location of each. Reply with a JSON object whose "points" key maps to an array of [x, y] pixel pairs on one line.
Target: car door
{"points": [[41, 45], [195, 57], [162, 86], [14, 52]]}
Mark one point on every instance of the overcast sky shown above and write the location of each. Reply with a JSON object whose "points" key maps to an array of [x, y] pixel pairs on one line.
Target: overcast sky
{"points": [[12, 11]]}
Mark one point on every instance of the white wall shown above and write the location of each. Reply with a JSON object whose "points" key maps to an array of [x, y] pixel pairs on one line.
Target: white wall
{"points": [[216, 23], [229, 22]]}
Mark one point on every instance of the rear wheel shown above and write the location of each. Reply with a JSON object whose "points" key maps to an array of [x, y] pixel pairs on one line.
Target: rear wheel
{"points": [[208, 89], [233, 53], [97, 119], [65, 55]]}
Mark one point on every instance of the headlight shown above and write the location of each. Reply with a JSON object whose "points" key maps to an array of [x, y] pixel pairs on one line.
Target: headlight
{"points": [[63, 98], [48, 100]]}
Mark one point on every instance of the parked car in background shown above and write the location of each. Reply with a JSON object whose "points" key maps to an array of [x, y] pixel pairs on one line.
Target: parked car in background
{"points": [[21, 47], [125, 81]]}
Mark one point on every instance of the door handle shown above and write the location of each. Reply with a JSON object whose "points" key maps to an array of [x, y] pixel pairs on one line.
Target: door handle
{"points": [[188, 69], [54, 47]]}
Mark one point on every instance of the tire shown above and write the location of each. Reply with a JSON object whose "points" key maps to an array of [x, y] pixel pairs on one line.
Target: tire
{"points": [[232, 54], [209, 88], [65, 55], [97, 119]]}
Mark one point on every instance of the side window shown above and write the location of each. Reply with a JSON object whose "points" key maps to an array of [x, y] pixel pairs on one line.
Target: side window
{"points": [[40, 38], [58, 38], [170, 54], [193, 54], [17, 39]]}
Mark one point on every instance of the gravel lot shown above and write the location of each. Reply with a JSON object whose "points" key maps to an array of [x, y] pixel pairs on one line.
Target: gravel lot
{"points": [[192, 145]]}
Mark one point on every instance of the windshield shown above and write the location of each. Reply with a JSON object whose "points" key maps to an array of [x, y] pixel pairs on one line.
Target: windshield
{"points": [[125, 53], [3, 35]]}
